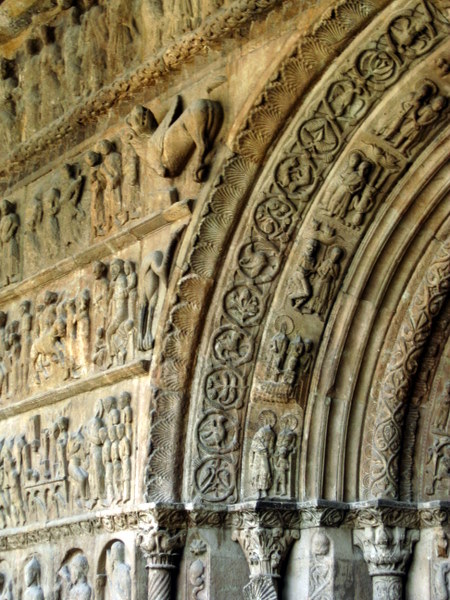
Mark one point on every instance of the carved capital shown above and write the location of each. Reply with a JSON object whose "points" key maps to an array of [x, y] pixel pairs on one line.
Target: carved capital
{"points": [[386, 549], [160, 546], [264, 547]]}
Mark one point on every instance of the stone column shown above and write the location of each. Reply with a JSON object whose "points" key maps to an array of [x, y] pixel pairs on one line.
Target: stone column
{"points": [[265, 549], [160, 548], [386, 551]]}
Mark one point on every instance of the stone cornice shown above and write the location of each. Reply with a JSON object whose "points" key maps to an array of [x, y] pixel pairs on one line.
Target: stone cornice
{"points": [[292, 516]]}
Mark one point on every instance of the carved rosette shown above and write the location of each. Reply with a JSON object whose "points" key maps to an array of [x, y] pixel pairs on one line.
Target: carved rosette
{"points": [[386, 551], [265, 549], [160, 548]]}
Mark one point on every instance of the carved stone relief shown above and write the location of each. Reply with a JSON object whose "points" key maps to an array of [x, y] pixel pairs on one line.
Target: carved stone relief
{"points": [[62, 465]]}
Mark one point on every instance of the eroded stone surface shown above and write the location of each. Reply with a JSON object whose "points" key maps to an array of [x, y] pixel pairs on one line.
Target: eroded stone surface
{"points": [[224, 274]]}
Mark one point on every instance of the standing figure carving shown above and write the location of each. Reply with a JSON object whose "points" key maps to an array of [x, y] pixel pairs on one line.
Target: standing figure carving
{"points": [[30, 82], [51, 69], [166, 148], [118, 572], [110, 177], [97, 192], [70, 54], [300, 284], [32, 576], [51, 234], [261, 453], [73, 583], [26, 326], [9, 94], [92, 46], [72, 213], [122, 33], [153, 277], [118, 303], [9, 225]]}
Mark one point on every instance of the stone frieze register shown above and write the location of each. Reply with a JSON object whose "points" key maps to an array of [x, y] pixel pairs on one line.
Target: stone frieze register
{"points": [[224, 312]]}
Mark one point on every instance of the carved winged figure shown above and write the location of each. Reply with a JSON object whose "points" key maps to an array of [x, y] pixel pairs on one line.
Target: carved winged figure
{"points": [[167, 147]]}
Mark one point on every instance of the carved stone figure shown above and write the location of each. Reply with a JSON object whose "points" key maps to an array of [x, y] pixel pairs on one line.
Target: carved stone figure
{"points": [[100, 353], [73, 580], [51, 69], [26, 327], [131, 179], [32, 578], [422, 110], [100, 294], [96, 467], [77, 474], [9, 95], [261, 453], [97, 191], [132, 282], [118, 302], [110, 177], [119, 577], [10, 257], [122, 33], [327, 276], [349, 186], [72, 213], [278, 348], [83, 320], [30, 81], [51, 232], [300, 283], [167, 147], [92, 45], [282, 460], [153, 276], [71, 50]]}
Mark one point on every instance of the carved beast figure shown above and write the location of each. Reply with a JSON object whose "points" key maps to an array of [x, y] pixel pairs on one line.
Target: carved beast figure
{"points": [[167, 147]]}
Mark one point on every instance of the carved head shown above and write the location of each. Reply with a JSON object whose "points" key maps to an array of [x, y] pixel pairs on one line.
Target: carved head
{"points": [[267, 418], [289, 422], [109, 403], [308, 345], [32, 572], [112, 433], [25, 307], [117, 553], [114, 416], [63, 423], [354, 159], [129, 267], [99, 268], [105, 147], [336, 254], [7, 207], [320, 544], [141, 120], [116, 268], [438, 104], [311, 247], [79, 568], [93, 158], [102, 434], [124, 400]]}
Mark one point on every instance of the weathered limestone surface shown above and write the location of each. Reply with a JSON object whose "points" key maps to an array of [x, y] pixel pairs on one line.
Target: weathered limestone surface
{"points": [[224, 315]]}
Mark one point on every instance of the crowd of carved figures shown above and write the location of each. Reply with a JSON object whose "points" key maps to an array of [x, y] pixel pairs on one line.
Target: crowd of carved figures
{"points": [[290, 360], [89, 199], [61, 336], [272, 455], [50, 469], [89, 43], [74, 578]]}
